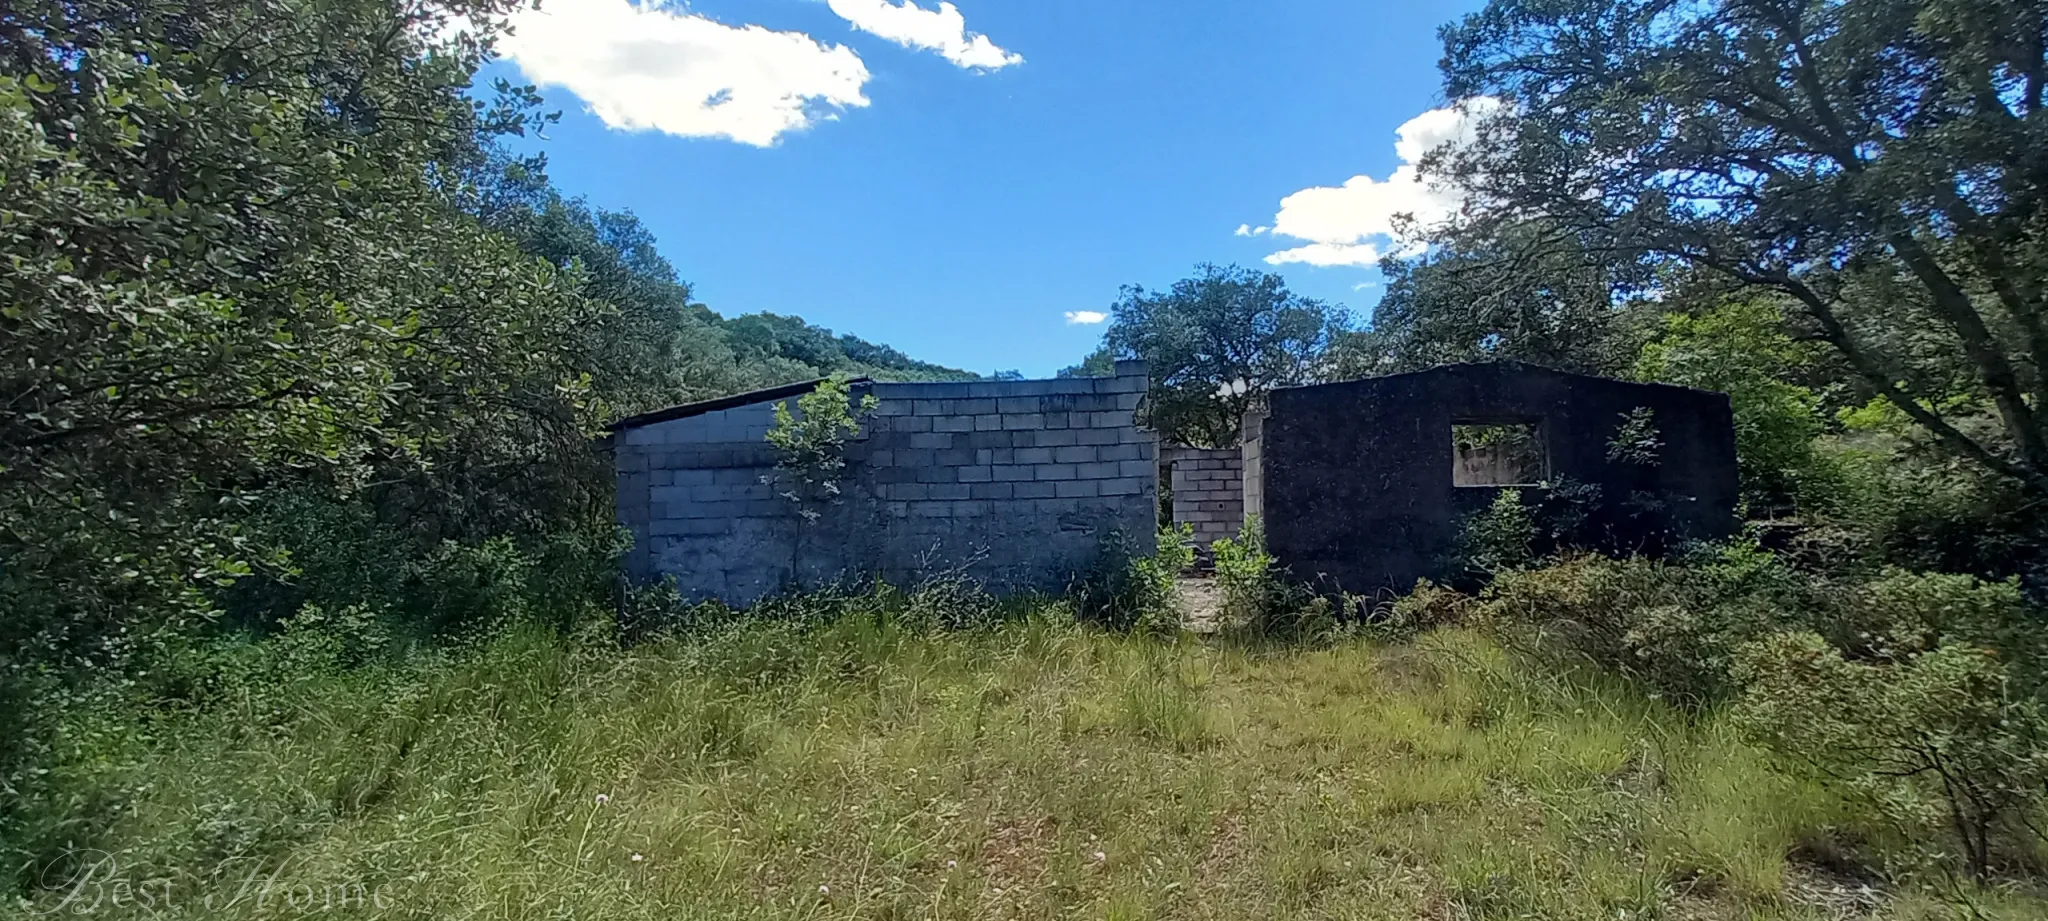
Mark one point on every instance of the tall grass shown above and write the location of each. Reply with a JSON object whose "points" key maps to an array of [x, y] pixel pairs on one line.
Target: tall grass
{"points": [[867, 767]]}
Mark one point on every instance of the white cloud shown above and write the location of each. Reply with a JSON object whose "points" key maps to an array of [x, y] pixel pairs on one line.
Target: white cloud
{"points": [[1345, 225], [1328, 254], [641, 67], [1085, 317], [942, 30], [1243, 230]]}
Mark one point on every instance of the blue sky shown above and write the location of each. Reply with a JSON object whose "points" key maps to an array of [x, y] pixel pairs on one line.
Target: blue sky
{"points": [[956, 181]]}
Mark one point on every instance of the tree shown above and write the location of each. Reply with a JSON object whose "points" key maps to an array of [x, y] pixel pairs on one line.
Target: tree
{"points": [[1879, 164], [1099, 363], [1524, 293], [1739, 347], [234, 259], [1216, 343]]}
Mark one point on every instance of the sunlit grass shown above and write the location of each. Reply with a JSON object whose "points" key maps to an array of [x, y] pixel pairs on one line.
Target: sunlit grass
{"points": [[862, 769]]}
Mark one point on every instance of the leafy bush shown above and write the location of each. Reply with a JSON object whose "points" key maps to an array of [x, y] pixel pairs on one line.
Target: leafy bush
{"points": [[950, 601], [1427, 606], [1901, 614], [472, 589], [1674, 626], [811, 443], [1125, 592], [1917, 692], [1935, 739], [1255, 596], [1741, 348], [1525, 526], [1244, 571], [1636, 440], [1500, 538]]}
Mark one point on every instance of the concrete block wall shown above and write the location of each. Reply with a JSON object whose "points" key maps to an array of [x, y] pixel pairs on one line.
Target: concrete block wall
{"points": [[1251, 451], [1016, 484], [1208, 490], [698, 496]]}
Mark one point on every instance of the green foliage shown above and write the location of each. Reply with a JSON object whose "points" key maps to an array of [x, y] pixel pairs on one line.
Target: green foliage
{"points": [[661, 347], [1900, 614], [1498, 538], [1740, 347], [915, 773], [1933, 739], [315, 643], [770, 342], [1099, 363], [286, 337], [1215, 343], [1527, 292], [1425, 607], [1676, 627], [810, 443], [1635, 440], [1920, 694], [1257, 597], [1157, 579], [1244, 571], [234, 272], [1127, 592], [1908, 502], [1863, 163]]}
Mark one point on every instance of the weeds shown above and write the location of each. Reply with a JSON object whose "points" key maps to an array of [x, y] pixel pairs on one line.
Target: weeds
{"points": [[1130, 592], [864, 766]]}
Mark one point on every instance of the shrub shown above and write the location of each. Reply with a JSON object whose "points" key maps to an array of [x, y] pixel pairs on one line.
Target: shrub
{"points": [[810, 443], [1256, 598], [1938, 738], [1124, 591], [472, 589], [953, 601], [1674, 626], [653, 609], [1901, 614], [1523, 527], [1501, 537], [1428, 606], [1244, 571]]}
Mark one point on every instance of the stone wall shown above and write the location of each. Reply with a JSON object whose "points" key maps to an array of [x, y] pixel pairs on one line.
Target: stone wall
{"points": [[1355, 481], [1016, 484], [1208, 490], [1251, 452]]}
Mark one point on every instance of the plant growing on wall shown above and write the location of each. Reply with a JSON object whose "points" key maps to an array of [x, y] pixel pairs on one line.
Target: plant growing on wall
{"points": [[1636, 440], [811, 442]]}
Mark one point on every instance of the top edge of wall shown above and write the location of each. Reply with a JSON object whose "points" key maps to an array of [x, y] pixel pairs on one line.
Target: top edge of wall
{"points": [[1131, 377]]}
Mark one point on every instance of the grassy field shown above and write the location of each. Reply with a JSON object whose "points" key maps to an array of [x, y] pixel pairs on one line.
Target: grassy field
{"points": [[1035, 770]]}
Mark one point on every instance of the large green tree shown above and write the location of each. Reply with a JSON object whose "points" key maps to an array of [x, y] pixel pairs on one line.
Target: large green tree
{"points": [[236, 262], [1529, 292], [1878, 163], [1217, 342]]}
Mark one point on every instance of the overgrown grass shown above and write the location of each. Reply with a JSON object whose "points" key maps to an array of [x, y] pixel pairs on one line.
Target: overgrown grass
{"points": [[861, 768]]}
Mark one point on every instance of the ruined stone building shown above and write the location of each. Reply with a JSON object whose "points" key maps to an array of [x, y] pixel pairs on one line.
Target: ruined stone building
{"points": [[1363, 486], [1020, 485]]}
